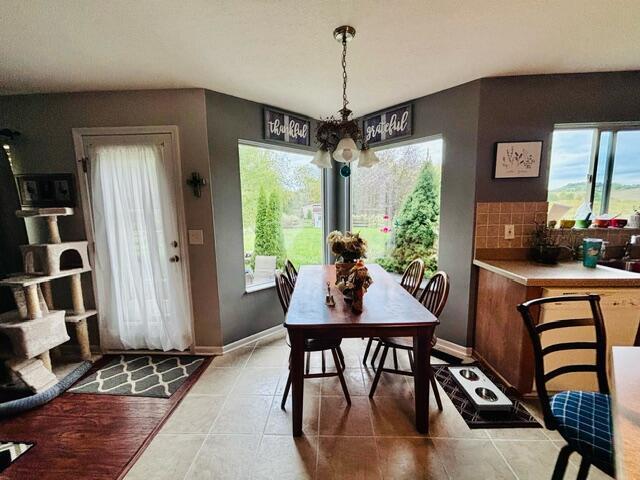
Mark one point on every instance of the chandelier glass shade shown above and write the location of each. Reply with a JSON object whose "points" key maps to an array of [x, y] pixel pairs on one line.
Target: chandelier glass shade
{"points": [[342, 135]]}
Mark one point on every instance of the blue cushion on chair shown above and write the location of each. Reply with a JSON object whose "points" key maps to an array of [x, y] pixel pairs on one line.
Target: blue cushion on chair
{"points": [[584, 420]]}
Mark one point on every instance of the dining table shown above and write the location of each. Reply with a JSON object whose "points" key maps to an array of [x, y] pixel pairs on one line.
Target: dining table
{"points": [[388, 311]]}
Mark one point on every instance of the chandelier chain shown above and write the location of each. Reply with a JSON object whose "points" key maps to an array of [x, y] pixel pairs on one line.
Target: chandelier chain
{"points": [[345, 102]]}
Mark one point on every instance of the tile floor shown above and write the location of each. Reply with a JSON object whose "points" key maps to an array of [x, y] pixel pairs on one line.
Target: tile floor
{"points": [[230, 426]]}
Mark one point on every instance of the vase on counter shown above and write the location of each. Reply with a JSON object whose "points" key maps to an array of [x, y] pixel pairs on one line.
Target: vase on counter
{"points": [[547, 254]]}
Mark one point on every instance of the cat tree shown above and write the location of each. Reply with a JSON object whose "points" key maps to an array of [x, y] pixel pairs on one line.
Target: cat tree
{"points": [[36, 327]]}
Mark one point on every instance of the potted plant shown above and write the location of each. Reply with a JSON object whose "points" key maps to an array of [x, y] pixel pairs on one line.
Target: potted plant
{"points": [[544, 246], [348, 248]]}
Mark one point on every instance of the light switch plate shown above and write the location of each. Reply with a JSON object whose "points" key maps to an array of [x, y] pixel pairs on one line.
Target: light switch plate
{"points": [[509, 232], [196, 237]]}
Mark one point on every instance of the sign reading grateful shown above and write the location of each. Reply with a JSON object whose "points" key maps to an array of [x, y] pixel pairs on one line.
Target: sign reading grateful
{"points": [[388, 124], [287, 128]]}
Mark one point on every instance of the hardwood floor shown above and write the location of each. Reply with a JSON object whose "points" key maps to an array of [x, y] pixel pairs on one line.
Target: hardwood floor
{"points": [[84, 436]]}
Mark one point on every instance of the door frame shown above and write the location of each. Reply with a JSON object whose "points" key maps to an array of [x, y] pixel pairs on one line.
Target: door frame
{"points": [[85, 200]]}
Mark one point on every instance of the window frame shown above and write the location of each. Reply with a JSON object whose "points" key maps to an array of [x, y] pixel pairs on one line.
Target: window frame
{"points": [[608, 161], [323, 201]]}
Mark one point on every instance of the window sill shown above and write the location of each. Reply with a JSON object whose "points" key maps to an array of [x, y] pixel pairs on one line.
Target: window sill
{"points": [[261, 286]]}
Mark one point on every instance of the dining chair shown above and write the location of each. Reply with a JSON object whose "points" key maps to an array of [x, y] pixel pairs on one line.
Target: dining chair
{"points": [[411, 281], [285, 290], [290, 270], [583, 419], [434, 298]]}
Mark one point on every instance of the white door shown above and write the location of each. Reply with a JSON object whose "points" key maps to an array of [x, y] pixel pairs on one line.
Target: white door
{"points": [[140, 280]]}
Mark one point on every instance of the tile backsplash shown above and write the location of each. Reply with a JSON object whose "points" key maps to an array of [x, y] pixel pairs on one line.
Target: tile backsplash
{"points": [[492, 217]]}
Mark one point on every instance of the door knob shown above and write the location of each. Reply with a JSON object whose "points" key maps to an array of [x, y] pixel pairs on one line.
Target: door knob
{"points": [[174, 259], [174, 244]]}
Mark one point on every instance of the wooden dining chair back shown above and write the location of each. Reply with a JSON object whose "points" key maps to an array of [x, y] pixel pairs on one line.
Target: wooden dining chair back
{"points": [[292, 273], [284, 289], [582, 418], [412, 276], [435, 294]]}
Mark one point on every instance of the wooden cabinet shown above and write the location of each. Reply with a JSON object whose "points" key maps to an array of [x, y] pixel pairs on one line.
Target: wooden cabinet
{"points": [[501, 340], [502, 343]]}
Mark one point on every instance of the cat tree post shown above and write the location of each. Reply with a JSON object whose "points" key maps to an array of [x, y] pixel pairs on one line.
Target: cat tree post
{"points": [[33, 302], [82, 332], [54, 232], [46, 360]]}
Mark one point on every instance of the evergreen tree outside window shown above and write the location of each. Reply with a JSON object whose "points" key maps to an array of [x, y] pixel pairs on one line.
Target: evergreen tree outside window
{"points": [[395, 205]]}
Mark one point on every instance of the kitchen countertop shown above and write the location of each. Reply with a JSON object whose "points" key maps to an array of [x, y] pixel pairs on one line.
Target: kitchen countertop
{"points": [[564, 274]]}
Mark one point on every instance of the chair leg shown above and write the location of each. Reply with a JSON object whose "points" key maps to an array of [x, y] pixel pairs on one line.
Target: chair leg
{"points": [[286, 391], [410, 359], [366, 351], [583, 472], [376, 379], [561, 463], [308, 363], [395, 359], [375, 354], [343, 383], [434, 386], [341, 357], [324, 364]]}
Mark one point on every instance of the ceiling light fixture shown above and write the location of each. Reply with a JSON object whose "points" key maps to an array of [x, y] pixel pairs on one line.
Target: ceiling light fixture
{"points": [[340, 135]]}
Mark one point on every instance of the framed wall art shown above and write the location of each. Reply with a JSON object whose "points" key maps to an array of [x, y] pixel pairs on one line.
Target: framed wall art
{"points": [[518, 159], [40, 190]]}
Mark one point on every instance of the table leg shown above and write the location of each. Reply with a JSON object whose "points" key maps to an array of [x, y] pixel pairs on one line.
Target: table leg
{"points": [[421, 347], [297, 379]]}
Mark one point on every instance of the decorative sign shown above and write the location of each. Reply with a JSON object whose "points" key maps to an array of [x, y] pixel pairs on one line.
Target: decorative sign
{"points": [[389, 124], [39, 190], [518, 159], [287, 128]]}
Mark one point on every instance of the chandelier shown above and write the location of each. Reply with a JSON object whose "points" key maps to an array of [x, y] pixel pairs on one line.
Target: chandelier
{"points": [[339, 135]]}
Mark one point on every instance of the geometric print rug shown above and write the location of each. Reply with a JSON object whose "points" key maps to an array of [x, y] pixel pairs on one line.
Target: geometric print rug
{"points": [[156, 376], [517, 417], [10, 451]]}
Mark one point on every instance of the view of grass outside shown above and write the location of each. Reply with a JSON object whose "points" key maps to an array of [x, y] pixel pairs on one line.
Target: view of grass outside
{"points": [[282, 213], [571, 153], [395, 204]]}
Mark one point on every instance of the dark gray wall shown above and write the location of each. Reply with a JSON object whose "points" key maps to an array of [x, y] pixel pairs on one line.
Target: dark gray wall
{"points": [[230, 119], [46, 145], [453, 114], [527, 107]]}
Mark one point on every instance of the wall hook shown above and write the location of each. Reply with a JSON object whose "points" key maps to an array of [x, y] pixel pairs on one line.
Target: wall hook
{"points": [[196, 182]]}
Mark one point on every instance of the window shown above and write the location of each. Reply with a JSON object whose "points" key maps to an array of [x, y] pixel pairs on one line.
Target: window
{"points": [[596, 165], [282, 212], [395, 205]]}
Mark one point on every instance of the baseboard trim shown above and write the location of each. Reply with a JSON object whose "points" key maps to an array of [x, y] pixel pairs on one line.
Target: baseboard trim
{"points": [[243, 342], [453, 348]]}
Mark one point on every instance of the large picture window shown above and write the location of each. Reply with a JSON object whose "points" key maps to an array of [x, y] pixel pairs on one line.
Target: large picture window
{"points": [[282, 211], [395, 205], [596, 165]]}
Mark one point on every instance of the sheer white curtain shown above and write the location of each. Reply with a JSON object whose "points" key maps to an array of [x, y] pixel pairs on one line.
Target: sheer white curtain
{"points": [[140, 292]]}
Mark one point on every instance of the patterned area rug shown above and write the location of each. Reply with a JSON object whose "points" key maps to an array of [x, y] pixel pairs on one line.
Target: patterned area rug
{"points": [[140, 375], [10, 451], [517, 417]]}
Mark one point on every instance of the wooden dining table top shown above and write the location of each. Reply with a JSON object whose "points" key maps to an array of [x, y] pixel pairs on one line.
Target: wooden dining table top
{"points": [[626, 411], [386, 303]]}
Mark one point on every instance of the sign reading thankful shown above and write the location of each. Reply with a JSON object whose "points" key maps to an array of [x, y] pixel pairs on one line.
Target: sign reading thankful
{"points": [[388, 124], [284, 127]]}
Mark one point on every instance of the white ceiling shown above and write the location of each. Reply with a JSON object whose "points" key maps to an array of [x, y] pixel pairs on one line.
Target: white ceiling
{"points": [[282, 52]]}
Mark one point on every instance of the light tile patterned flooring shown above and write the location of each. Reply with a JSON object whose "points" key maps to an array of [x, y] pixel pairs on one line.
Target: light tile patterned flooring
{"points": [[230, 426]]}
